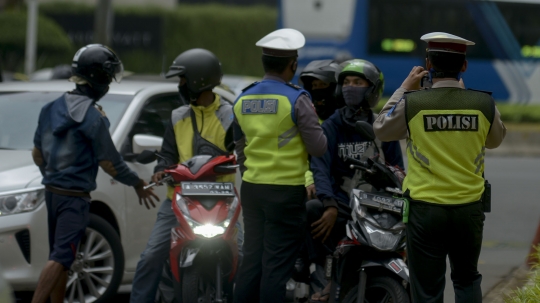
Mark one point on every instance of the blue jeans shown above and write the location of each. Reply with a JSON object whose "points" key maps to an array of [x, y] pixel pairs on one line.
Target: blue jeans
{"points": [[150, 265]]}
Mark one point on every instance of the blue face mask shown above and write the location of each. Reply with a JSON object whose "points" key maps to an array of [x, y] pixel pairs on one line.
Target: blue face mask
{"points": [[354, 96]]}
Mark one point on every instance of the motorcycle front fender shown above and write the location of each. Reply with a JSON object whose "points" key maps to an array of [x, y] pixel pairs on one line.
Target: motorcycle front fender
{"points": [[188, 256], [394, 265]]}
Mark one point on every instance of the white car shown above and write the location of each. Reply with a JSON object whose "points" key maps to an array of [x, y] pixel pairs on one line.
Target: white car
{"points": [[119, 227]]}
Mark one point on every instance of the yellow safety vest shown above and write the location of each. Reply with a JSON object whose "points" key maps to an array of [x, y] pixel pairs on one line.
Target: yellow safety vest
{"points": [[212, 123], [275, 152], [448, 128]]}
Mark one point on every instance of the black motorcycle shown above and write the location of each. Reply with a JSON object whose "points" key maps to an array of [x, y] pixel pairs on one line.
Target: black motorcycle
{"points": [[369, 265]]}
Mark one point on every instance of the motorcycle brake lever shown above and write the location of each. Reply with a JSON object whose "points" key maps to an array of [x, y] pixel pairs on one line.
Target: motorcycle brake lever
{"points": [[362, 168]]}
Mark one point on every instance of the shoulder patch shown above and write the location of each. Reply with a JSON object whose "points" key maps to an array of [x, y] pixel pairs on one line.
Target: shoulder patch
{"points": [[482, 91], [293, 85], [250, 86]]}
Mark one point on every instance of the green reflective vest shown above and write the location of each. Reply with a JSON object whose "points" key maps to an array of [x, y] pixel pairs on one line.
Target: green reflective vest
{"points": [[275, 152], [448, 128]]}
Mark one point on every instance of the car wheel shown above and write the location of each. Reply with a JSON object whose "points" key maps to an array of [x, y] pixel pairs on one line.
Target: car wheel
{"points": [[99, 265]]}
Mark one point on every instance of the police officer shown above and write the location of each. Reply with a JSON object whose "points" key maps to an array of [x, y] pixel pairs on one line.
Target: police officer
{"points": [[276, 128], [72, 139], [319, 79], [447, 129], [203, 126]]}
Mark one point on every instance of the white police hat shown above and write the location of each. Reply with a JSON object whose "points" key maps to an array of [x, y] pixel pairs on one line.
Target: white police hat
{"points": [[444, 42], [283, 42]]}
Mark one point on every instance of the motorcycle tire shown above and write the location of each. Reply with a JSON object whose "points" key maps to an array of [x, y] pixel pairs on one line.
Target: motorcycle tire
{"points": [[104, 251], [380, 290]]}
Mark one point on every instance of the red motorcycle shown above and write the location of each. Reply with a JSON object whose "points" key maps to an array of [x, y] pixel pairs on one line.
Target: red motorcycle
{"points": [[204, 251]]}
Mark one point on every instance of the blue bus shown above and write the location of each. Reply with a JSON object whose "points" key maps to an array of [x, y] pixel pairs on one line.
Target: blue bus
{"points": [[505, 59]]}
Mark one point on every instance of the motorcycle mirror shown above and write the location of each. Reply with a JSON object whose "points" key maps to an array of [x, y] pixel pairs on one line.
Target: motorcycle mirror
{"points": [[365, 129], [146, 157]]}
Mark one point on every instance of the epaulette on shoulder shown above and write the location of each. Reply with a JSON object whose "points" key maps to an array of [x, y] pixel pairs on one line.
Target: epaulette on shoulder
{"points": [[413, 91], [250, 86], [482, 91], [293, 86]]}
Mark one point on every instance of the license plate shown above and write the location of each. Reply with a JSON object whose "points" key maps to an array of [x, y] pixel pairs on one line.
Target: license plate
{"points": [[381, 202], [207, 188]]}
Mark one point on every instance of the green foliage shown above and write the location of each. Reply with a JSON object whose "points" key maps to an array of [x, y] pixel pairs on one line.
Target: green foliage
{"points": [[228, 31], [530, 293], [53, 45], [517, 113]]}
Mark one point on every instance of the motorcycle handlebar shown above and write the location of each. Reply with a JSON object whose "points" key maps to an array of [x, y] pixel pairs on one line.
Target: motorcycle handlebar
{"points": [[163, 180], [363, 164], [357, 164]]}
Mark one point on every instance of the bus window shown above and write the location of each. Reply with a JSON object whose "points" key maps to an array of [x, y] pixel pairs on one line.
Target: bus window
{"points": [[395, 26], [320, 19]]}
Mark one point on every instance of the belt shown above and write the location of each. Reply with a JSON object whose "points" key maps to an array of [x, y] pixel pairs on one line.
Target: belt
{"points": [[66, 192]]}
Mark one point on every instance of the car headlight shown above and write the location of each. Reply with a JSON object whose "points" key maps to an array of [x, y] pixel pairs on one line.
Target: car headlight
{"points": [[19, 201]]}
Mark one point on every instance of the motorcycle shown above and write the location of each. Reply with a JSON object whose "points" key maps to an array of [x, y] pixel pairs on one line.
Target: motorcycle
{"points": [[369, 265], [204, 255]]}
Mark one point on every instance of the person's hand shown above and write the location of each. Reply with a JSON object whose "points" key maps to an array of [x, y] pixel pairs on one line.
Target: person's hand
{"points": [[310, 190], [146, 195], [323, 227], [158, 176], [412, 82]]}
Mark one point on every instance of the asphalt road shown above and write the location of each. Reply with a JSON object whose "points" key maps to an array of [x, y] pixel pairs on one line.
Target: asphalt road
{"points": [[508, 229]]}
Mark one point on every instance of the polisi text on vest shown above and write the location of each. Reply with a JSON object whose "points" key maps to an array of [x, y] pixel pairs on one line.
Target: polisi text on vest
{"points": [[450, 122]]}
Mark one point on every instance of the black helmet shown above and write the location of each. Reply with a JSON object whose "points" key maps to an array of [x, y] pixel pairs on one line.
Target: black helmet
{"points": [[97, 64], [324, 70], [366, 70], [200, 67]]}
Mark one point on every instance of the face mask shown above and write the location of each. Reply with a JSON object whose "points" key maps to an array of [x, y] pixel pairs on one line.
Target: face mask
{"points": [[94, 92], [354, 96], [186, 96], [324, 102]]}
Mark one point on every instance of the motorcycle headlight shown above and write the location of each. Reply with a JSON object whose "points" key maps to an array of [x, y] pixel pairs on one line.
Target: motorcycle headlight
{"points": [[380, 239], [207, 230], [20, 201]]}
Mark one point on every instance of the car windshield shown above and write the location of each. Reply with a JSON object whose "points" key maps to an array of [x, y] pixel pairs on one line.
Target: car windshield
{"points": [[19, 112]]}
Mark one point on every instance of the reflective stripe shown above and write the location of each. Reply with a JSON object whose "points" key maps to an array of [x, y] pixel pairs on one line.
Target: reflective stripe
{"points": [[479, 166], [480, 160], [287, 136], [480, 155], [420, 156], [416, 155]]}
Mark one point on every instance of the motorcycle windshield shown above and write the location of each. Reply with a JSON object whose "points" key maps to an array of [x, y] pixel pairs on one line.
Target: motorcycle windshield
{"points": [[194, 164]]}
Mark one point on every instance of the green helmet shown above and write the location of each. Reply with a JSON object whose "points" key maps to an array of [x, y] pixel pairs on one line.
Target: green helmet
{"points": [[368, 71]]}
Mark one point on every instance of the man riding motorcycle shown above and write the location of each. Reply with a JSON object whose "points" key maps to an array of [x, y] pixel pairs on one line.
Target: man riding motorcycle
{"points": [[201, 127], [360, 83]]}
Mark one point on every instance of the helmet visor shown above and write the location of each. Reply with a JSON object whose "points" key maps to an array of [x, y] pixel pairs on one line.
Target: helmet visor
{"points": [[118, 71]]}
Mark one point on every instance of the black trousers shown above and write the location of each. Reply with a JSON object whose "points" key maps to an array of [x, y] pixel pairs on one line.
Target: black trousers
{"points": [[316, 249], [434, 232], [274, 223]]}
